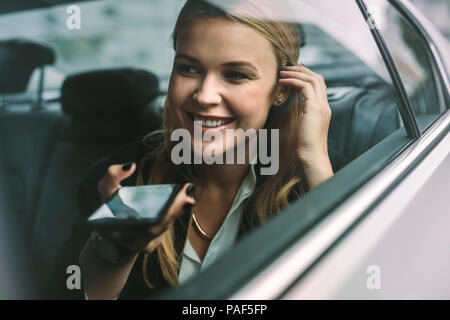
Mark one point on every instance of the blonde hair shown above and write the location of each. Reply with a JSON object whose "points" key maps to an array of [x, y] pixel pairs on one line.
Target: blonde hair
{"points": [[271, 193]]}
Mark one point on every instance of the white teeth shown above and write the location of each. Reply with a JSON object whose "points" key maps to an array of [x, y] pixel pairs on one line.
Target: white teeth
{"points": [[209, 123]]}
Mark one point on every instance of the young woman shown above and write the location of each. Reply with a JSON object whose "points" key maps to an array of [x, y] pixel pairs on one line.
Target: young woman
{"points": [[231, 71]]}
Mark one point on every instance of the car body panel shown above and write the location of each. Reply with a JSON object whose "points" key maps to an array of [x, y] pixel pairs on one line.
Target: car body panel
{"points": [[405, 237]]}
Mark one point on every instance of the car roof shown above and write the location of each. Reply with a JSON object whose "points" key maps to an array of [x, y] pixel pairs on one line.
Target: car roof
{"points": [[9, 6]]}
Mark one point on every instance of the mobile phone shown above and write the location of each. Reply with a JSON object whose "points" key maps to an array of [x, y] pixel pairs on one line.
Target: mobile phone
{"points": [[135, 207]]}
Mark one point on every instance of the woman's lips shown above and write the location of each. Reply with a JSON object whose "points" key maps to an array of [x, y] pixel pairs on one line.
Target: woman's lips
{"points": [[199, 118], [218, 128]]}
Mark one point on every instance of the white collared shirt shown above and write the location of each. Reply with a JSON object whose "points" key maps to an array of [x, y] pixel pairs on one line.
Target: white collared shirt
{"points": [[191, 265]]}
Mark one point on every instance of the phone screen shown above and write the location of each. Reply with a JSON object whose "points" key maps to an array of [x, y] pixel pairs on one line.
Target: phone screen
{"points": [[136, 205]]}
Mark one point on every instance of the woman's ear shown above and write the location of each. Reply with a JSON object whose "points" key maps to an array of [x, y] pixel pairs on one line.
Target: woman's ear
{"points": [[282, 95]]}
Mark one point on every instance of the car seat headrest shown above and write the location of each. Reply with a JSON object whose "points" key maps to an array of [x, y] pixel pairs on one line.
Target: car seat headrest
{"points": [[18, 59], [108, 94], [108, 104]]}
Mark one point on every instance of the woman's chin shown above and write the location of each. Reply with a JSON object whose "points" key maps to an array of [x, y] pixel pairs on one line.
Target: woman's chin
{"points": [[213, 152]]}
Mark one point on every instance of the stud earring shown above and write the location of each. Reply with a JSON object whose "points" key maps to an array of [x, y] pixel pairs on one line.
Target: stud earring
{"points": [[279, 100]]}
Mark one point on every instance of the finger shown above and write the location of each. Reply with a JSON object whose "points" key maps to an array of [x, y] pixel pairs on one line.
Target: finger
{"points": [[184, 197], [118, 172], [319, 78], [182, 200], [315, 81], [306, 87], [115, 174], [304, 69]]}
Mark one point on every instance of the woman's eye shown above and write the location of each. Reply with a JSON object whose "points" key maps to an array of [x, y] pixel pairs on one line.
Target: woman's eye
{"points": [[234, 75], [185, 68]]}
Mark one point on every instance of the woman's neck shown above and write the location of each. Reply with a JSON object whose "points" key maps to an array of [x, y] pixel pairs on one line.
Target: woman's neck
{"points": [[218, 185], [221, 177]]}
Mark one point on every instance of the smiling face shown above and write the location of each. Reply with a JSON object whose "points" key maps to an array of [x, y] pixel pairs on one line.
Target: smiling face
{"points": [[224, 75]]}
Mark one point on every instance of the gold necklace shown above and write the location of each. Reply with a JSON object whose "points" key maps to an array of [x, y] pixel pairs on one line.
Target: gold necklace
{"points": [[202, 233]]}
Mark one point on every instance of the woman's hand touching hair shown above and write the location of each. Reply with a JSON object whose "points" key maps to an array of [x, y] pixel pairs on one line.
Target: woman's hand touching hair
{"points": [[312, 149]]}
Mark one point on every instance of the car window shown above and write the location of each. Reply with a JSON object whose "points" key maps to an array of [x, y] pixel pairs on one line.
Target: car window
{"points": [[412, 59], [366, 131], [336, 43], [437, 12], [360, 91], [112, 34]]}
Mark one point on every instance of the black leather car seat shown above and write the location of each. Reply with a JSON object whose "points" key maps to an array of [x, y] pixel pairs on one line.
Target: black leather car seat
{"points": [[102, 110], [46, 154], [363, 114]]}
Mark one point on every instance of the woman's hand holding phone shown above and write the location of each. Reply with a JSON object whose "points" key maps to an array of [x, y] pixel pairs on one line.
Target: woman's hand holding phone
{"points": [[148, 239], [105, 280]]}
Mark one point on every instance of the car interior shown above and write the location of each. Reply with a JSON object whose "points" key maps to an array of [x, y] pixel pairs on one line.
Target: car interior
{"points": [[48, 145]]}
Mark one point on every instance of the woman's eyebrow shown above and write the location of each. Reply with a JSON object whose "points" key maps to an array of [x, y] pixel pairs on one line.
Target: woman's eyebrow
{"points": [[185, 56], [240, 64], [226, 64]]}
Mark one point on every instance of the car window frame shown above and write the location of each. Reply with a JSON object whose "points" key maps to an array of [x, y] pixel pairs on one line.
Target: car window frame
{"points": [[439, 72], [433, 59], [405, 108]]}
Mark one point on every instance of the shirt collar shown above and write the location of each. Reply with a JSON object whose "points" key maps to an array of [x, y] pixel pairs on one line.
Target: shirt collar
{"points": [[245, 190]]}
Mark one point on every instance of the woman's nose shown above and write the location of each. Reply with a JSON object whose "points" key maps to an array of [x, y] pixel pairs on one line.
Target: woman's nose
{"points": [[208, 92]]}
